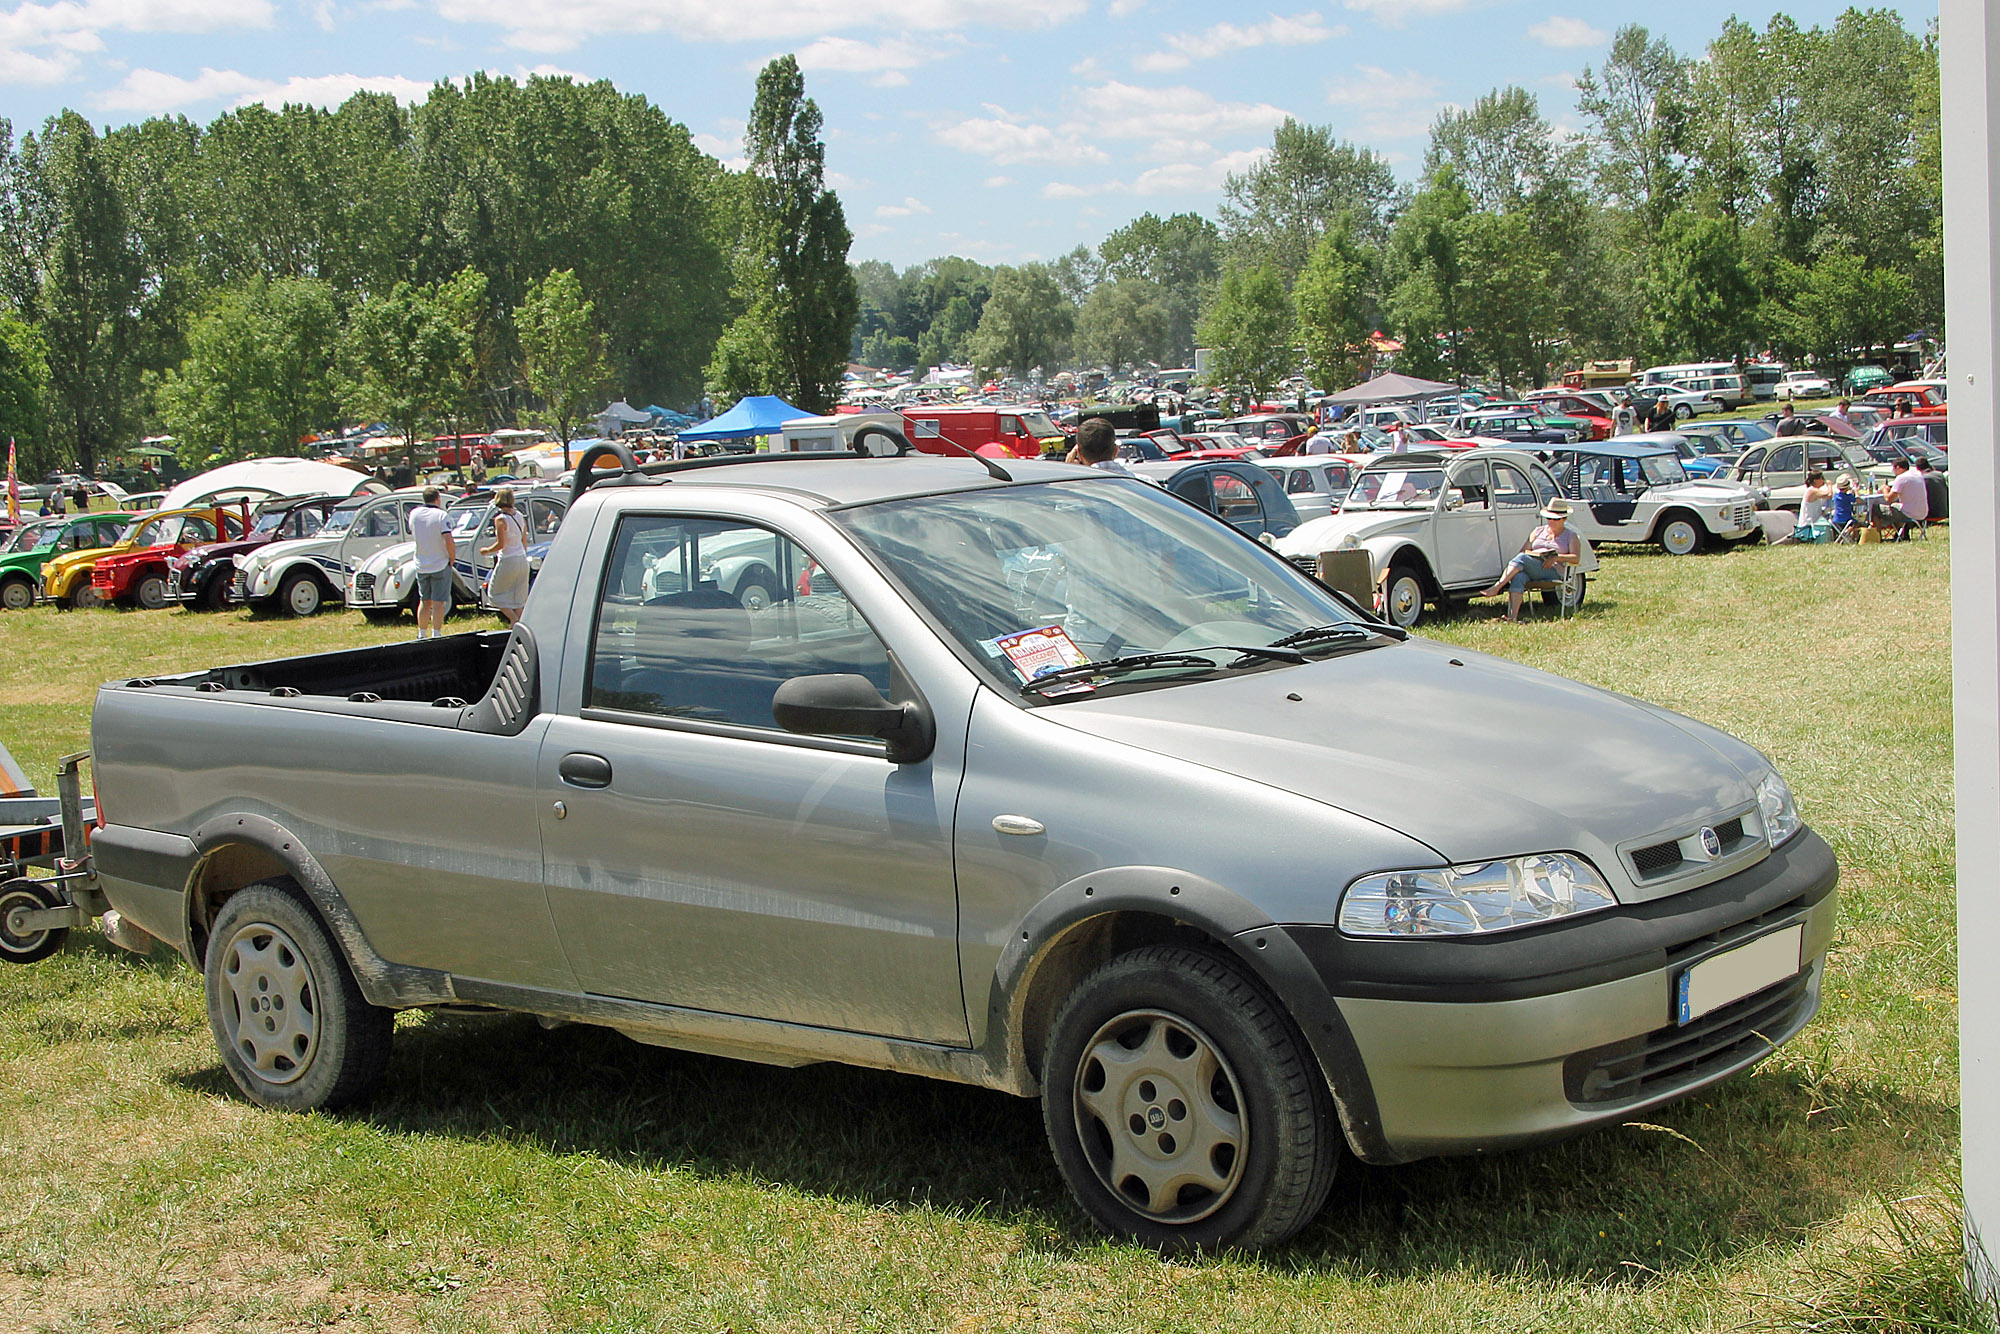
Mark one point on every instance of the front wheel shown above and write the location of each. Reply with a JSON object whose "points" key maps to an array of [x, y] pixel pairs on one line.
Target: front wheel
{"points": [[754, 595], [1404, 596], [1682, 412], [213, 594], [151, 594], [19, 945], [293, 1028], [1680, 536], [1183, 1107], [17, 595], [300, 594]]}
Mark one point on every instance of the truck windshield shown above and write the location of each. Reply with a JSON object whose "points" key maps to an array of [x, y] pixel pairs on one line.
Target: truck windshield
{"points": [[1028, 578], [1038, 425]]}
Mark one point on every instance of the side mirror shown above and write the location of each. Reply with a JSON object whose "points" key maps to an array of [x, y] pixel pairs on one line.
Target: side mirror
{"points": [[843, 704], [1454, 500]]}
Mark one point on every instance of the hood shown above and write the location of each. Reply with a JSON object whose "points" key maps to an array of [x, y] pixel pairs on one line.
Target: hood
{"points": [[1327, 534], [388, 558], [1472, 755], [70, 560], [1705, 491]]}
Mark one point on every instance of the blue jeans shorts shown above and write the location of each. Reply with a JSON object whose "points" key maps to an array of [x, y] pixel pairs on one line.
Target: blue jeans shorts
{"points": [[434, 585]]}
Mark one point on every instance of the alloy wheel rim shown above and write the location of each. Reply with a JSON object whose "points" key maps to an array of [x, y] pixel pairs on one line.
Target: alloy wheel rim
{"points": [[271, 1014], [1159, 1115]]}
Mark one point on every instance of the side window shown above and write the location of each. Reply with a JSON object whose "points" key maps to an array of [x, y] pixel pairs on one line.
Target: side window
{"points": [[1787, 458], [1511, 489], [195, 530], [1300, 481], [1750, 461], [544, 518], [79, 537], [705, 618], [384, 521], [1234, 500], [1010, 426], [1470, 484], [1938, 434]]}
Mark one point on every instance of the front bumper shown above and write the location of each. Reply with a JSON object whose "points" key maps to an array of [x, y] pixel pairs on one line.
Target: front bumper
{"points": [[1470, 1048]]}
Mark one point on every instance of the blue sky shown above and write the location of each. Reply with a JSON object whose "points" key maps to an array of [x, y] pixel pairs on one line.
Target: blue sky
{"points": [[1003, 130]]}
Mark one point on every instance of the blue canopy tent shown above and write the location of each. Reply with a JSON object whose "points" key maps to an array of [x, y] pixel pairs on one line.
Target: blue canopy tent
{"points": [[759, 414]]}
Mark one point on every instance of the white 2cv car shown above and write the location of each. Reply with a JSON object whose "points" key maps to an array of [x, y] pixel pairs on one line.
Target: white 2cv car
{"points": [[1439, 525], [1634, 489]]}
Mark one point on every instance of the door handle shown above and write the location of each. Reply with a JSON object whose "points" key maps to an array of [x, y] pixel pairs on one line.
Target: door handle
{"points": [[582, 769]]}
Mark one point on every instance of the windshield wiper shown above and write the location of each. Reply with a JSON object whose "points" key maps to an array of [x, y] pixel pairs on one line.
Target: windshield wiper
{"points": [[1140, 661], [1321, 634]]}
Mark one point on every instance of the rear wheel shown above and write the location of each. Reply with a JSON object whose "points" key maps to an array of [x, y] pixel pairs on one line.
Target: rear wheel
{"points": [[17, 594], [1682, 412], [151, 594], [213, 594], [300, 594], [22, 945], [1182, 1106], [293, 1029], [1404, 595]]}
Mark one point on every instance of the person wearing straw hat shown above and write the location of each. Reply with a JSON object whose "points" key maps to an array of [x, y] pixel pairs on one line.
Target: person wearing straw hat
{"points": [[1540, 559]]}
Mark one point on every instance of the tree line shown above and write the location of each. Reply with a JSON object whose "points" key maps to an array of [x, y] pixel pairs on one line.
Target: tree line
{"points": [[503, 250], [1781, 191]]}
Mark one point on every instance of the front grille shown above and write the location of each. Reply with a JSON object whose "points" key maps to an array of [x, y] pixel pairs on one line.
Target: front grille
{"points": [[102, 578], [364, 586], [1670, 855], [1745, 515], [173, 583], [239, 587], [1310, 564], [1681, 1055]]}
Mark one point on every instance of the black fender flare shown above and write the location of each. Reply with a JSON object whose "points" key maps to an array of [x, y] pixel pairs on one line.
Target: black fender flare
{"points": [[1233, 922], [394, 985]]}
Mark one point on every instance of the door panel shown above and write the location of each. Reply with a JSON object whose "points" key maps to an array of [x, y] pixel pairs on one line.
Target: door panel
{"points": [[1468, 545], [1517, 506], [725, 865]]}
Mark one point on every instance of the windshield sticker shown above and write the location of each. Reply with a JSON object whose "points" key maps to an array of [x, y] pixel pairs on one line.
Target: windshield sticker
{"points": [[1037, 652]]}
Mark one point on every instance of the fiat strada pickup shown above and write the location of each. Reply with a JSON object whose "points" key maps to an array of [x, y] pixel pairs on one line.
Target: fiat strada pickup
{"points": [[906, 813]]}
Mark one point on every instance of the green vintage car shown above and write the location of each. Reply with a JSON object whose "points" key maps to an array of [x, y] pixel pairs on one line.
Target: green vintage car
{"points": [[22, 558]]}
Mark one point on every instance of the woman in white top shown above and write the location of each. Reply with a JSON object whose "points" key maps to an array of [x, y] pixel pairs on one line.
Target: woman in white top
{"points": [[507, 585]]}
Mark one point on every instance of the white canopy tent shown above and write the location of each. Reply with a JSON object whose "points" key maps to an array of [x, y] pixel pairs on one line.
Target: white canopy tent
{"points": [[256, 478]]}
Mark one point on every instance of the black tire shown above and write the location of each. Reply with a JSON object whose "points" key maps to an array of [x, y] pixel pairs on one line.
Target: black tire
{"points": [[1679, 533], [17, 594], [213, 595], [28, 946], [291, 1025], [1403, 595], [1213, 1055], [1580, 583], [83, 597], [151, 594], [300, 594]]}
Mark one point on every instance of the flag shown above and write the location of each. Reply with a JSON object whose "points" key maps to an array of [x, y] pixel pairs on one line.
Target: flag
{"points": [[13, 486]]}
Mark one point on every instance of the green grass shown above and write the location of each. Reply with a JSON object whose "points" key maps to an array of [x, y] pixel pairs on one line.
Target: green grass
{"points": [[516, 1179]]}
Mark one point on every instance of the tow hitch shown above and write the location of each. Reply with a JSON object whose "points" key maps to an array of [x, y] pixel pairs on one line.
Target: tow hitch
{"points": [[37, 913]]}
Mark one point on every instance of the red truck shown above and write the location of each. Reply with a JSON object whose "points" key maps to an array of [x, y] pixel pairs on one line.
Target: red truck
{"points": [[139, 578], [1003, 432]]}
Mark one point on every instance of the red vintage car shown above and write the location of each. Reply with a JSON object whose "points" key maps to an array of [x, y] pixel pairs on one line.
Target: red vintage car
{"points": [[1912, 398], [1588, 411], [139, 577]]}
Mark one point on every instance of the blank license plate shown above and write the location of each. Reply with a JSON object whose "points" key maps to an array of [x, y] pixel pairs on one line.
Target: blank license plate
{"points": [[1714, 983]]}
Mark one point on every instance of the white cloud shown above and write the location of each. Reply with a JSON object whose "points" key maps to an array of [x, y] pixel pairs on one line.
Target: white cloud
{"points": [[882, 59], [1007, 141], [41, 43], [1183, 49], [150, 91], [1567, 33], [1400, 123], [1179, 178], [890, 78], [1373, 86], [1164, 115], [322, 12], [869, 231], [727, 151], [554, 25], [522, 73], [1394, 13], [995, 182], [330, 90], [908, 208], [1124, 9]]}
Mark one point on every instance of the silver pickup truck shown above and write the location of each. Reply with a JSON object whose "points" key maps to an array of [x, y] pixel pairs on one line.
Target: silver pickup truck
{"points": [[1031, 777]]}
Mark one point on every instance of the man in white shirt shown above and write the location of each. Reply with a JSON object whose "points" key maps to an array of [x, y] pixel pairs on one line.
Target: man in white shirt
{"points": [[431, 528]]}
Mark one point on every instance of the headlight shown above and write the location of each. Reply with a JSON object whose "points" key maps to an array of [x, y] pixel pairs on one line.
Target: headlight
{"points": [[1779, 812], [1474, 899]]}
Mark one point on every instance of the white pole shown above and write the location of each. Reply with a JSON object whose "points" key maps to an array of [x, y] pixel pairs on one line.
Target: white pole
{"points": [[1969, 45]]}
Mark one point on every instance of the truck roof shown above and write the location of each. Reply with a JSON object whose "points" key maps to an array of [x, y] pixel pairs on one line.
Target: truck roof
{"points": [[842, 480]]}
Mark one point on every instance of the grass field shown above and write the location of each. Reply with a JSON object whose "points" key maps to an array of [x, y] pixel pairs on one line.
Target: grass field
{"points": [[516, 1179]]}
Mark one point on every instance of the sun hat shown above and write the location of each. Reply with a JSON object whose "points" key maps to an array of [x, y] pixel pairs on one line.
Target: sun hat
{"points": [[1556, 509], [1844, 484]]}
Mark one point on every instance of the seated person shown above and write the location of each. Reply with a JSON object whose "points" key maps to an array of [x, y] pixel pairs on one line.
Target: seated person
{"points": [[1905, 504], [1541, 558], [1812, 525], [1840, 512]]}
